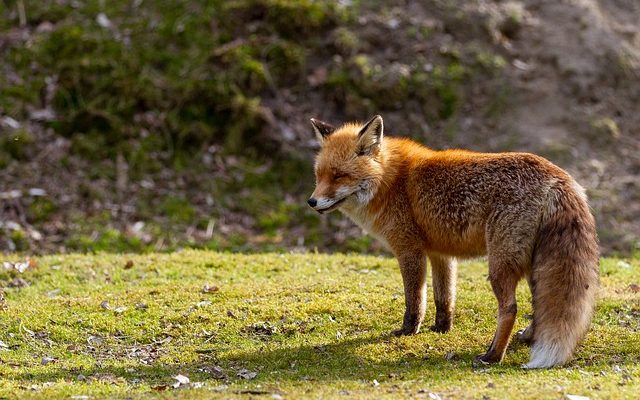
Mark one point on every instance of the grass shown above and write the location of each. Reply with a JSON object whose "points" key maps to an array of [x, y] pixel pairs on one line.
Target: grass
{"points": [[312, 326]]}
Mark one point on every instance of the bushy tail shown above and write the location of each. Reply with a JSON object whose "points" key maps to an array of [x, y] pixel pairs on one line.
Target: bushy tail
{"points": [[565, 276]]}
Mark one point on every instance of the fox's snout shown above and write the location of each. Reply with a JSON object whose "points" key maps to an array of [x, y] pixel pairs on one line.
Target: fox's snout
{"points": [[324, 204]]}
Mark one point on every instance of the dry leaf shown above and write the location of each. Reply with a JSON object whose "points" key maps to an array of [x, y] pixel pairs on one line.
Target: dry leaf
{"points": [[18, 283], [105, 377], [95, 340], [20, 266], [216, 372], [623, 264], [104, 21], [181, 380], [210, 288], [47, 360], [246, 374]]}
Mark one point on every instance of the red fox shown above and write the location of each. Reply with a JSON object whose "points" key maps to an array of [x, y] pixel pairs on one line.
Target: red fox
{"points": [[528, 216]]}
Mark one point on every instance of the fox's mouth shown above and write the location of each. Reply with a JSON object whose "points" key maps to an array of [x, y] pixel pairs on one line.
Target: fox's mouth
{"points": [[333, 206]]}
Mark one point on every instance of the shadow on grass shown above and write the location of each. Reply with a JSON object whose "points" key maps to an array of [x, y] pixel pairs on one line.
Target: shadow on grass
{"points": [[343, 360]]}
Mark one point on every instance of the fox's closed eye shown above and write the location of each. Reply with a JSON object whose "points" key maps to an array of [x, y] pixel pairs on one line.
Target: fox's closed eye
{"points": [[339, 175]]}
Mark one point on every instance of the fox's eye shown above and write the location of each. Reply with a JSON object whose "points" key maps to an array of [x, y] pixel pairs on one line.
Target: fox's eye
{"points": [[339, 175]]}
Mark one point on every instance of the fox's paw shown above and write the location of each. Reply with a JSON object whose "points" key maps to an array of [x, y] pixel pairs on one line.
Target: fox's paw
{"points": [[525, 335], [406, 331], [484, 360], [441, 327]]}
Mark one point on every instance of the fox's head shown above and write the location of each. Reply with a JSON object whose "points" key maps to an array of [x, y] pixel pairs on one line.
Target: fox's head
{"points": [[348, 167]]}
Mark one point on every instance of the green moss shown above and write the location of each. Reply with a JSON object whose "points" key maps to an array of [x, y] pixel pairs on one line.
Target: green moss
{"points": [[359, 245], [277, 218], [309, 325], [490, 62], [41, 209], [167, 72], [447, 86], [346, 41], [290, 19], [107, 240], [557, 152], [498, 102], [20, 240], [604, 131], [16, 145], [91, 145], [177, 209]]}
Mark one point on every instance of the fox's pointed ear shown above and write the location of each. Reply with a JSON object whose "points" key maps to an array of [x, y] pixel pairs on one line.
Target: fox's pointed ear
{"points": [[370, 136], [322, 129]]}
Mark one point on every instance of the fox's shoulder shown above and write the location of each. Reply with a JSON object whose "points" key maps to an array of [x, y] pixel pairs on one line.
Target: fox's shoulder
{"points": [[407, 147], [418, 156]]}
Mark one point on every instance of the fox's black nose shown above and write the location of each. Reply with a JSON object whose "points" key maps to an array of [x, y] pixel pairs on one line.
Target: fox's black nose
{"points": [[312, 202]]}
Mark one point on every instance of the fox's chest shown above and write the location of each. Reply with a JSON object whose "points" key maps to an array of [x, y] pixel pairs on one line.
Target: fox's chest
{"points": [[365, 221]]}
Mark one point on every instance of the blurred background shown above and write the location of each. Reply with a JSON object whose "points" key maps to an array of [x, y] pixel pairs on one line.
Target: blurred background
{"points": [[138, 125]]}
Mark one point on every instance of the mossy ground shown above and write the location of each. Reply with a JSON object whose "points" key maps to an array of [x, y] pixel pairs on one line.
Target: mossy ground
{"points": [[309, 325]]}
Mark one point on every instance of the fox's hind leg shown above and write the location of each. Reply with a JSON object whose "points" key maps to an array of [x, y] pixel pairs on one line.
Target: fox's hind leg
{"points": [[413, 266], [510, 238], [526, 335], [504, 280], [443, 271]]}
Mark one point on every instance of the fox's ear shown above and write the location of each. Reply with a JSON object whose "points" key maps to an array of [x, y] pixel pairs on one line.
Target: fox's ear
{"points": [[370, 136], [322, 129]]}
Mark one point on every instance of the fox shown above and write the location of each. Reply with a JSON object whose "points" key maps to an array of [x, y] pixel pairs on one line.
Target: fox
{"points": [[529, 217]]}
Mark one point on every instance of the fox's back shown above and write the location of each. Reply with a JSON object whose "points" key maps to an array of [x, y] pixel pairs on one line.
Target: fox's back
{"points": [[456, 194]]}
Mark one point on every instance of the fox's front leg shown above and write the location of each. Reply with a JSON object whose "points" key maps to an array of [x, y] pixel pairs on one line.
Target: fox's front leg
{"points": [[413, 267], [443, 271]]}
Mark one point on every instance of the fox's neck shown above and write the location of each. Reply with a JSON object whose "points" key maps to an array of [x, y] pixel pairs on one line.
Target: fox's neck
{"points": [[396, 157]]}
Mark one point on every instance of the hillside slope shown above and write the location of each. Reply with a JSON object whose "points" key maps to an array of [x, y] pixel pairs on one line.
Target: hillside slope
{"points": [[144, 126]]}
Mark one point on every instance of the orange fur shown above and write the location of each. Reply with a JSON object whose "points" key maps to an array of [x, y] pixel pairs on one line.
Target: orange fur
{"points": [[527, 215]]}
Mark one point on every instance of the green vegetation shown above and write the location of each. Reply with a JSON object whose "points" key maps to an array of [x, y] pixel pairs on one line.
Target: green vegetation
{"points": [[143, 77], [306, 325], [166, 76], [174, 114]]}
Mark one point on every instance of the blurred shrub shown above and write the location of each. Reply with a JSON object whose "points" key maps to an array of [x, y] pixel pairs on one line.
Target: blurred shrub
{"points": [[187, 73]]}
